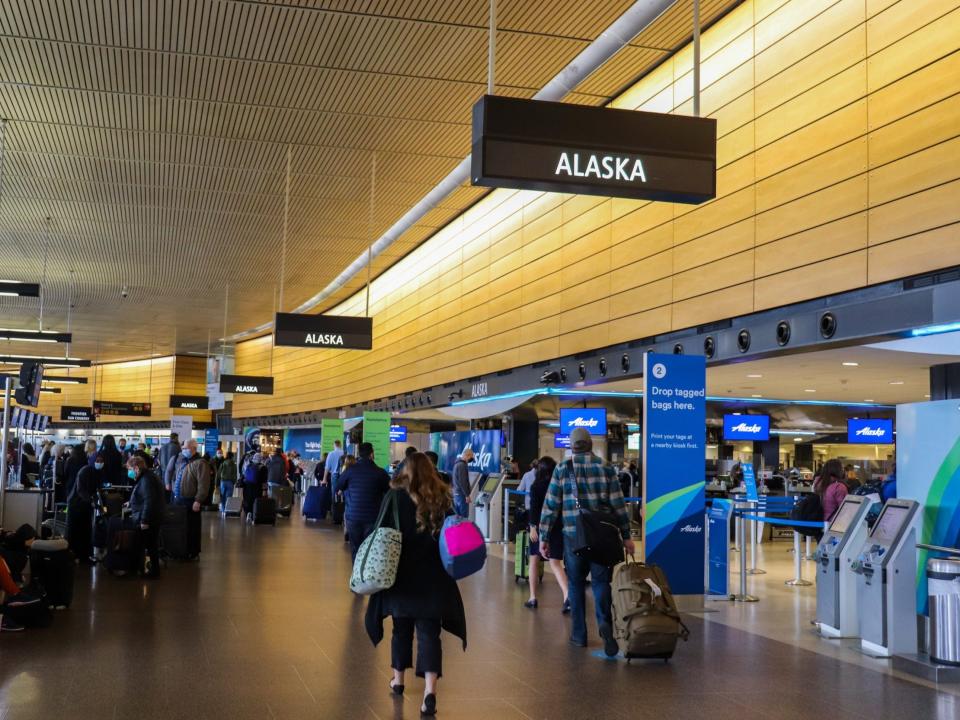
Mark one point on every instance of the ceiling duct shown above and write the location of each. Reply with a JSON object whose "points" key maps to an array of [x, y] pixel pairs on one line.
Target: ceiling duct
{"points": [[636, 19]]}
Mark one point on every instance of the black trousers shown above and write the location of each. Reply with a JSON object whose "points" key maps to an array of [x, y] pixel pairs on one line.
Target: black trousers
{"points": [[150, 544], [194, 529], [357, 532], [429, 651], [80, 529]]}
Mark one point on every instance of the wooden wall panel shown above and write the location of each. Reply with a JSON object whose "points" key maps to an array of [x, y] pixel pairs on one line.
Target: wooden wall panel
{"points": [[837, 124]]}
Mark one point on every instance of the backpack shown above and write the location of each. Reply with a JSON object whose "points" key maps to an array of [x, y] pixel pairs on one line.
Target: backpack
{"points": [[646, 623], [462, 548], [809, 509]]}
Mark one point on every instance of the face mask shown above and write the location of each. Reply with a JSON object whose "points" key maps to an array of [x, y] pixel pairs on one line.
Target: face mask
{"points": [[187, 454], [98, 466], [132, 474], [220, 455]]}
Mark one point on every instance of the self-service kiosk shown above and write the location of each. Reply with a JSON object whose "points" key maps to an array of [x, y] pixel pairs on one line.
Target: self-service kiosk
{"points": [[488, 507], [836, 581], [886, 571]]}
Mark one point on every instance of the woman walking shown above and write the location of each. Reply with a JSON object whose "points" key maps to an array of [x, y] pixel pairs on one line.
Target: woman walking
{"points": [[538, 493], [424, 597]]}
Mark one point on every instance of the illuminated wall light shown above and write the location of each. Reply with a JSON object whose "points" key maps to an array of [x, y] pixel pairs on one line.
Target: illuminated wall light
{"points": [[850, 364], [935, 329], [896, 382]]}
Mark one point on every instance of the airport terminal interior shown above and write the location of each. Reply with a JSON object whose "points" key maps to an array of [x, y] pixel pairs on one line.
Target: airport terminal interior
{"points": [[480, 359]]}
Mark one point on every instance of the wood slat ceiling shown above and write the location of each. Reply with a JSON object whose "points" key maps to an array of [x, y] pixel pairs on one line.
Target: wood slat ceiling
{"points": [[154, 136]]}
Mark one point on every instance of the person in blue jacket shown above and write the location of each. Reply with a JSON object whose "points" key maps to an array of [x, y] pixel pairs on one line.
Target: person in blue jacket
{"points": [[363, 485]]}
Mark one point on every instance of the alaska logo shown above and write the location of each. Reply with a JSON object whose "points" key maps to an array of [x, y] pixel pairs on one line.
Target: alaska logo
{"points": [[188, 405], [867, 431], [246, 389], [323, 339], [605, 167], [691, 529], [582, 422], [744, 428]]}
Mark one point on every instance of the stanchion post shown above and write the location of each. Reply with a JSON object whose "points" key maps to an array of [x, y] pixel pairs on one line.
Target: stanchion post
{"points": [[743, 596], [506, 516], [736, 532], [754, 570], [807, 555], [798, 580], [7, 389]]}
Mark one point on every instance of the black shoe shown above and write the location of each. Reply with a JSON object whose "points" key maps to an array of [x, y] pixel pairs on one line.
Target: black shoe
{"points": [[566, 607], [532, 604], [577, 643], [397, 689], [429, 706], [8, 625], [610, 647]]}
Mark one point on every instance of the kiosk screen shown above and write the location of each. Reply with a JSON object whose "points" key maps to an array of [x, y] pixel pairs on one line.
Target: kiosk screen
{"points": [[889, 522], [490, 484], [843, 518]]}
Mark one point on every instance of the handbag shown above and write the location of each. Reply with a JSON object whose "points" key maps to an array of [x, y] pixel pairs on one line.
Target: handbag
{"points": [[597, 536], [375, 567]]}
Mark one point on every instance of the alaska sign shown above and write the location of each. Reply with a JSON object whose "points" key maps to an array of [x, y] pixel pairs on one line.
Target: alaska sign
{"points": [[246, 384], [189, 402], [323, 331], [558, 147]]}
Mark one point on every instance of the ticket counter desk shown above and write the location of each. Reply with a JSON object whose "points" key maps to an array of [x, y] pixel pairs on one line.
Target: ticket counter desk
{"points": [[23, 506]]}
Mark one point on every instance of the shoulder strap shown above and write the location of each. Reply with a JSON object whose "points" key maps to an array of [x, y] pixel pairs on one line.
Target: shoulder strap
{"points": [[571, 468]]}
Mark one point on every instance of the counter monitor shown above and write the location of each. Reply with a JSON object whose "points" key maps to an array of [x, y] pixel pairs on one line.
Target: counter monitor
{"points": [[846, 513], [490, 484], [889, 523]]}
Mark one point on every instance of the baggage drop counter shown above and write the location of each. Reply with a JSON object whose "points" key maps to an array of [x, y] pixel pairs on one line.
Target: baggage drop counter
{"points": [[836, 582]]}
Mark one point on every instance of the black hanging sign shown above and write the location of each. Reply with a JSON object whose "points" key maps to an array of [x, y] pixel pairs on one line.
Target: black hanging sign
{"points": [[323, 331], [558, 147], [246, 384], [106, 407], [189, 402], [76, 414]]}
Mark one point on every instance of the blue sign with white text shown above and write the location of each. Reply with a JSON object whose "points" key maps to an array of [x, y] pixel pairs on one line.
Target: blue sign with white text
{"points": [[211, 440], [398, 433], [746, 427], [305, 441], [750, 482], [718, 556], [561, 441], [484, 443], [869, 432], [594, 420], [674, 460]]}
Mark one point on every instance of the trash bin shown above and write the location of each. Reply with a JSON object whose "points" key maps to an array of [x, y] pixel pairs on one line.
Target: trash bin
{"points": [[943, 591]]}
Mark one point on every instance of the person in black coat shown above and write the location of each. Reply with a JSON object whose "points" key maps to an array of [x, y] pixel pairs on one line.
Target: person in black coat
{"points": [[424, 597], [75, 461], [538, 493], [146, 511], [113, 472], [80, 504]]}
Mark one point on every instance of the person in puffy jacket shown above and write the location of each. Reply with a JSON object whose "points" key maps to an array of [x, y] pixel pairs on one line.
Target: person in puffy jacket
{"points": [[146, 510], [277, 469]]}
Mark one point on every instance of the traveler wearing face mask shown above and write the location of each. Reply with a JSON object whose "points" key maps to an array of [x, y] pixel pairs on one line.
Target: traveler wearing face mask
{"points": [[191, 484], [80, 507], [226, 476], [146, 511]]}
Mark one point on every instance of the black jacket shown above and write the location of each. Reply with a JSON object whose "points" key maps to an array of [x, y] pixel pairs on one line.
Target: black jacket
{"points": [[364, 484], [113, 471], [423, 589], [276, 470], [89, 481], [147, 500]]}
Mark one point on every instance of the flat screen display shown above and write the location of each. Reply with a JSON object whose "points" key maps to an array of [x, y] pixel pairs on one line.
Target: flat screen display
{"points": [[746, 427], [869, 432], [490, 484], [889, 523], [561, 441], [841, 521], [398, 433], [593, 420]]}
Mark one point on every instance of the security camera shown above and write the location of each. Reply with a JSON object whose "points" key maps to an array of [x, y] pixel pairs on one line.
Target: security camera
{"points": [[124, 292], [550, 376]]}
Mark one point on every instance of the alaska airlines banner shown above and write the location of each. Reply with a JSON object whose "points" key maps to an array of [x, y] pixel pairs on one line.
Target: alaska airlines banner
{"points": [[305, 441], [871, 432], [746, 427], [928, 471], [674, 464], [484, 443]]}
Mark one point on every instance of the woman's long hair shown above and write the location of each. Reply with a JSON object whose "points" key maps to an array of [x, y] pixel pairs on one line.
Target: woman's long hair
{"points": [[428, 492], [832, 472], [545, 467]]}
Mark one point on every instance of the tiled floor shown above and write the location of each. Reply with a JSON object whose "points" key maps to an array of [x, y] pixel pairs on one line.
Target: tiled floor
{"points": [[264, 627]]}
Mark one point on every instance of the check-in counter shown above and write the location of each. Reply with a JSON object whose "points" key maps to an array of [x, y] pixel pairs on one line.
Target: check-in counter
{"points": [[22, 506]]}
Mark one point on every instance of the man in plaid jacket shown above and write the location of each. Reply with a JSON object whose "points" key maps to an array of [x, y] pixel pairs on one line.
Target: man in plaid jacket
{"points": [[596, 486]]}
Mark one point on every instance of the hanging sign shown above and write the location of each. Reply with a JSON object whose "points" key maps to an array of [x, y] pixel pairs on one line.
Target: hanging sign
{"points": [[331, 430], [674, 467], [76, 414], [246, 384], [559, 147], [189, 402], [376, 431], [107, 407], [323, 331]]}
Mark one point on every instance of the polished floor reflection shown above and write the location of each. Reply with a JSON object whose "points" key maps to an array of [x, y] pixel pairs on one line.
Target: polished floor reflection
{"points": [[264, 627]]}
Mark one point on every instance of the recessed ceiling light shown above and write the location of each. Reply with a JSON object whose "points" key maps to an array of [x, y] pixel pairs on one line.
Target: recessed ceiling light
{"points": [[798, 439], [927, 395], [868, 400], [896, 382], [754, 375], [756, 396], [850, 364], [809, 390]]}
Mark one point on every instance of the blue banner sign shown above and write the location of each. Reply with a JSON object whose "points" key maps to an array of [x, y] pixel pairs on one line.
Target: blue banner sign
{"points": [[870, 432], [750, 482], [718, 553], [484, 443], [398, 433], [674, 460], [211, 440], [746, 427], [561, 441], [594, 420], [305, 441]]}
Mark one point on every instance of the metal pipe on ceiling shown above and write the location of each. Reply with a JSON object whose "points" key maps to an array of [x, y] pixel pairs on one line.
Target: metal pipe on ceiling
{"points": [[630, 24]]}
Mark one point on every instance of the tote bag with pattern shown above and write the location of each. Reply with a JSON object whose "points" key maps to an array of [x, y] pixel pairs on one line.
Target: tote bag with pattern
{"points": [[375, 567]]}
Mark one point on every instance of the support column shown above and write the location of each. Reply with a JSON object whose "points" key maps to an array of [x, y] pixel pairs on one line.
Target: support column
{"points": [[945, 382]]}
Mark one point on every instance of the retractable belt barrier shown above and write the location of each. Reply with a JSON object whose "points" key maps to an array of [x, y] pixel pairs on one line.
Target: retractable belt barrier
{"points": [[747, 514]]}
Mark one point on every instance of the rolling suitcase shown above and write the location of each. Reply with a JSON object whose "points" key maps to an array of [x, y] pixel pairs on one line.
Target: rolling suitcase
{"points": [[264, 511], [233, 507], [521, 558], [316, 502], [122, 545], [173, 532], [284, 498], [337, 510], [52, 568], [646, 623]]}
